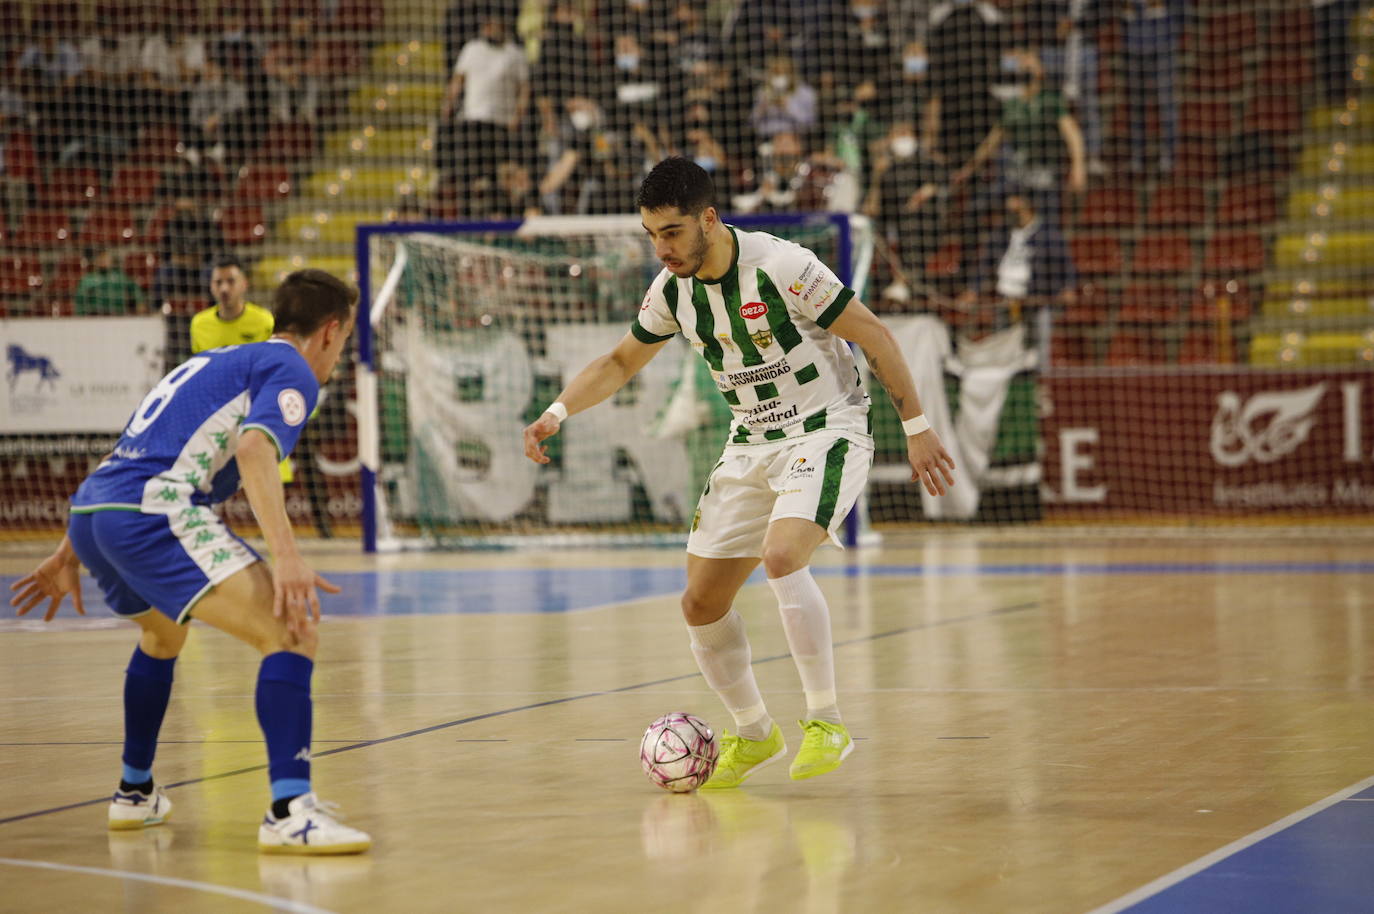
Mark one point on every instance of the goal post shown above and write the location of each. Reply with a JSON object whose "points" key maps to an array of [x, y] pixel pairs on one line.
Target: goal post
{"points": [[548, 293]]}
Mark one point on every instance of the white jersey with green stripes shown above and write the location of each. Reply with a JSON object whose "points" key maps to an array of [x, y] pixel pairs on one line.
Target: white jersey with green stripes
{"points": [[762, 329]]}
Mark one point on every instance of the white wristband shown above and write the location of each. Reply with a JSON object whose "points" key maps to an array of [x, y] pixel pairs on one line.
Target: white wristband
{"points": [[557, 410], [915, 425]]}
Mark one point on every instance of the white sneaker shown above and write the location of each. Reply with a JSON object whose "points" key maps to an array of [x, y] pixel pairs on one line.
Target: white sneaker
{"points": [[310, 828], [131, 809]]}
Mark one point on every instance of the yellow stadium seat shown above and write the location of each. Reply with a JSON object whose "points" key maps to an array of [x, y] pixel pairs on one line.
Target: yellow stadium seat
{"points": [[1357, 115], [1330, 249], [1303, 307], [378, 143], [380, 184], [394, 97], [334, 226], [1294, 349], [413, 58], [1339, 158], [270, 271], [1331, 202]]}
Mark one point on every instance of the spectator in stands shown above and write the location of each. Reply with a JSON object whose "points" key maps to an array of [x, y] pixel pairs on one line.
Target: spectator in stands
{"points": [[171, 60], [647, 20], [293, 67], [965, 42], [462, 23], [703, 146], [106, 289], [1151, 32], [598, 168], [1064, 33], [232, 319], [47, 73], [216, 104], [515, 196], [188, 239], [782, 179], [13, 191], [1025, 263], [111, 104], [483, 109], [643, 94], [909, 99], [1041, 137], [907, 198], [566, 64], [783, 104], [1335, 47]]}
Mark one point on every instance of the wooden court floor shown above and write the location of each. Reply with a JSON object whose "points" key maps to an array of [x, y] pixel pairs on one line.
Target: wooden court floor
{"points": [[1046, 721]]}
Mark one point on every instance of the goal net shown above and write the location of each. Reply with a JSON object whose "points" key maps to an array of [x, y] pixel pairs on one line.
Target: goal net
{"points": [[1125, 245]]}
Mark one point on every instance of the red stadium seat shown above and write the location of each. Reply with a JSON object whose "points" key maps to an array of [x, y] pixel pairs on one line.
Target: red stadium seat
{"points": [[1198, 158], [944, 262], [1205, 118], [157, 143], [141, 267], [70, 187], [1290, 27], [1096, 254], [157, 225], [1161, 254], [134, 184], [1277, 113], [287, 143], [263, 183], [66, 273], [365, 16], [110, 225], [1230, 33], [1092, 306], [243, 225], [1201, 347], [1149, 303], [1134, 347], [1216, 75], [1217, 300], [20, 275], [1231, 253], [1109, 207], [43, 228], [1181, 203], [1248, 203], [1070, 349], [21, 162], [1285, 72]]}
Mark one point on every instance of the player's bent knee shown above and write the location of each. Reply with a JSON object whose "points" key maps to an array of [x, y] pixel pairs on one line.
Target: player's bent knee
{"points": [[699, 609], [780, 561]]}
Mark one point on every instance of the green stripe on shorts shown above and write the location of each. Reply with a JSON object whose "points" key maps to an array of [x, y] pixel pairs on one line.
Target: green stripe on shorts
{"points": [[830, 486]]}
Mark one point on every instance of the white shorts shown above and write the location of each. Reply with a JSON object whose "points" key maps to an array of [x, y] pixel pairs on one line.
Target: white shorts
{"points": [[817, 477]]}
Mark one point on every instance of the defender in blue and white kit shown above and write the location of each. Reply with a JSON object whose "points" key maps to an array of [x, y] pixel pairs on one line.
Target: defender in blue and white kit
{"points": [[772, 323], [142, 524]]}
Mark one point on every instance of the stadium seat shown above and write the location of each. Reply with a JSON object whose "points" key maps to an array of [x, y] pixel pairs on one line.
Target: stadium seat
{"points": [[243, 225], [141, 267], [397, 99], [386, 143], [1071, 349], [1230, 253], [1200, 346], [1248, 203], [156, 226], [1284, 72], [1092, 306], [67, 187], [1216, 75], [1134, 347], [157, 143], [343, 56], [134, 184], [1275, 113], [1217, 300], [1178, 204], [420, 59], [66, 273], [21, 162], [261, 183], [110, 225], [945, 262], [1205, 118], [286, 143], [1198, 159], [1290, 27], [1149, 303], [1109, 207], [1170, 252], [43, 228], [20, 275], [1096, 255], [1228, 34], [364, 16]]}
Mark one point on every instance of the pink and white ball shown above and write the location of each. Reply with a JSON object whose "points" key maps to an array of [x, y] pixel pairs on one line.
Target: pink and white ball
{"points": [[678, 752]]}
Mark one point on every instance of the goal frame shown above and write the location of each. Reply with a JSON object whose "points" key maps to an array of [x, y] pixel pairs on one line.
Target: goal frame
{"points": [[368, 419]]}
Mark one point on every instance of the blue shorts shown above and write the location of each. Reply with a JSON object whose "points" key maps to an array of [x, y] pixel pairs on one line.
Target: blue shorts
{"points": [[165, 562]]}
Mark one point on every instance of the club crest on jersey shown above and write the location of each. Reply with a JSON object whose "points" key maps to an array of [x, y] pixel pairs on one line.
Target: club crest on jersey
{"points": [[762, 339], [753, 309], [292, 406], [725, 340]]}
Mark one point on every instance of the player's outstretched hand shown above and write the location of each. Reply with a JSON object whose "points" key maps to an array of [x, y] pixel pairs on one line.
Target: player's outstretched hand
{"points": [[930, 463], [58, 575], [543, 427], [293, 593]]}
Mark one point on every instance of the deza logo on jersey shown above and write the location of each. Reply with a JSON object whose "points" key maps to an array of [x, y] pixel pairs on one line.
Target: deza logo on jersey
{"points": [[1269, 426], [753, 309]]}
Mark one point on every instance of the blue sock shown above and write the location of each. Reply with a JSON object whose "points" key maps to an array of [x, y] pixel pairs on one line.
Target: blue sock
{"points": [[283, 703], [147, 688]]}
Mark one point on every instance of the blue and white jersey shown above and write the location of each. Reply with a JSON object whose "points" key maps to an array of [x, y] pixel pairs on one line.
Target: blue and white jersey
{"points": [[178, 448]]}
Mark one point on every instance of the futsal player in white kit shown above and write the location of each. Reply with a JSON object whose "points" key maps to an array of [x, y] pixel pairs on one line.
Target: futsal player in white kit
{"points": [[772, 323]]}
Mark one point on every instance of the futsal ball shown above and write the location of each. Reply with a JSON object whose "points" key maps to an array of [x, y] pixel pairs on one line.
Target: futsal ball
{"points": [[678, 752]]}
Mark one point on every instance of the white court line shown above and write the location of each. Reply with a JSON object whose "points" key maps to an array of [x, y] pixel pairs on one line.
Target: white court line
{"points": [[1216, 856], [281, 904]]}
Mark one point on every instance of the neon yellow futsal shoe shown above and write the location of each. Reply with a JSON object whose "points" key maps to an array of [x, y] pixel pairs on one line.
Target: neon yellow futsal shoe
{"points": [[824, 746], [740, 757]]}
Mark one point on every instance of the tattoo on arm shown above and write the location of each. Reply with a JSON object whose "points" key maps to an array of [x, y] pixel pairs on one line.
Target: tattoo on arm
{"points": [[898, 401]]}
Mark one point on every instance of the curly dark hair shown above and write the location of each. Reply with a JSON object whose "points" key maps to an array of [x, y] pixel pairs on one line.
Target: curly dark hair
{"points": [[680, 182]]}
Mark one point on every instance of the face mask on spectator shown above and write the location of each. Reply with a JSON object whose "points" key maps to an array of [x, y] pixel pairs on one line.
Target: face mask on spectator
{"points": [[779, 82], [904, 147], [582, 119], [707, 163], [864, 12], [915, 65], [627, 61], [1011, 63]]}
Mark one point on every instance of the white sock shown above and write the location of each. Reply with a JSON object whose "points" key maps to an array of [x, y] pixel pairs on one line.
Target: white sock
{"points": [[722, 651], [806, 620]]}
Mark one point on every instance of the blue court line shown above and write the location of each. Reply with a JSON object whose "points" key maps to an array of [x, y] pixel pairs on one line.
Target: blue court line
{"points": [[483, 591], [364, 744], [1316, 859]]}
